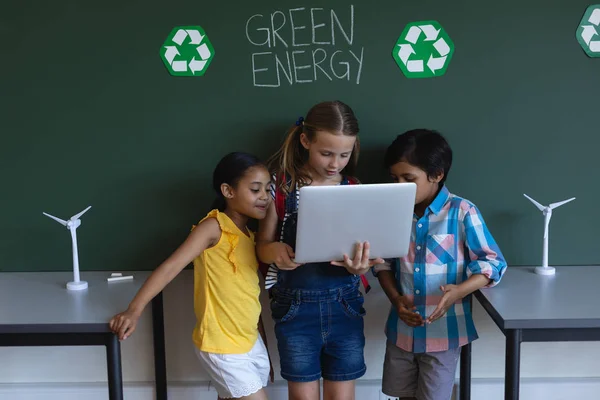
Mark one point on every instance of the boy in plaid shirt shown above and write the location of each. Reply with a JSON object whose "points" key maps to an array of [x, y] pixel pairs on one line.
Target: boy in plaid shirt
{"points": [[451, 255]]}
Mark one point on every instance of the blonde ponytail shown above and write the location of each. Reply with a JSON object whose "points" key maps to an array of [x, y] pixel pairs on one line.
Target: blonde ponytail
{"points": [[288, 164], [289, 161]]}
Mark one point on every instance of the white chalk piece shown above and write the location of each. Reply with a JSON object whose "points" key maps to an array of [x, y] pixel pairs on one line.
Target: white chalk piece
{"points": [[119, 278], [116, 274]]}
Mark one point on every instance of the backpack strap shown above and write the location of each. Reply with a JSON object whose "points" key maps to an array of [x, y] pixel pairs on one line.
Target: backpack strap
{"points": [[280, 199], [352, 181]]}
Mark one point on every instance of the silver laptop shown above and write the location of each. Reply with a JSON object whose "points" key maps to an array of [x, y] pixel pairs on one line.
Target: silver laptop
{"points": [[332, 219]]}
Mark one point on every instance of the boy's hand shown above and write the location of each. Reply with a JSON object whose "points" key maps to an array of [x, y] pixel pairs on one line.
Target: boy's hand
{"points": [[406, 312], [284, 256], [124, 324], [451, 295], [361, 263]]}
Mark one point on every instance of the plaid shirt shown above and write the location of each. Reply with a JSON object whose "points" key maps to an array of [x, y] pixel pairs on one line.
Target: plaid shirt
{"points": [[448, 244]]}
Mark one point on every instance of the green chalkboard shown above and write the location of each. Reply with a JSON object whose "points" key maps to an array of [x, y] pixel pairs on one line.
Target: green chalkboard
{"points": [[90, 115]]}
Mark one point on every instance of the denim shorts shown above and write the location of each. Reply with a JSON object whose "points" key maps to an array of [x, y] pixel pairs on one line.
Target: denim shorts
{"points": [[320, 333]]}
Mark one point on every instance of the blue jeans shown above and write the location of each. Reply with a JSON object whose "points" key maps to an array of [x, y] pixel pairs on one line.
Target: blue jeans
{"points": [[320, 333]]}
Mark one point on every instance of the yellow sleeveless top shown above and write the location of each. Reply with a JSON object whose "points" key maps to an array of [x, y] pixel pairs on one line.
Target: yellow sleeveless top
{"points": [[226, 292]]}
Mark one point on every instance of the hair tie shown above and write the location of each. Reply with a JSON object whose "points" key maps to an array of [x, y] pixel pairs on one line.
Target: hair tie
{"points": [[300, 121]]}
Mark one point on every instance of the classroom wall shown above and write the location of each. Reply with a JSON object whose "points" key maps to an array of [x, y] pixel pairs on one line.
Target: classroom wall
{"points": [[550, 371], [89, 115]]}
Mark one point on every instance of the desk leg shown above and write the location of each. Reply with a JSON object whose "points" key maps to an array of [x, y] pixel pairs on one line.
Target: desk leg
{"points": [[160, 363], [465, 372], [513, 361], [113, 361]]}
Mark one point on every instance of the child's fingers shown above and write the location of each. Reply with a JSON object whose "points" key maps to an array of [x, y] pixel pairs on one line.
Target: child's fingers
{"points": [[437, 313], [115, 322], [345, 263], [290, 251], [409, 314], [120, 332], [118, 321], [365, 253], [376, 261], [290, 257], [129, 331], [123, 331], [412, 324], [446, 288], [412, 321], [287, 265], [285, 259], [358, 255], [406, 310], [122, 327], [432, 317]]}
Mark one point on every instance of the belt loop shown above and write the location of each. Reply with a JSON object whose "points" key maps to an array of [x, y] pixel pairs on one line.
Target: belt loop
{"points": [[298, 297]]}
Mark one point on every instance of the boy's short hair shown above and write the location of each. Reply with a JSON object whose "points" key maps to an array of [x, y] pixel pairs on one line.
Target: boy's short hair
{"points": [[423, 148]]}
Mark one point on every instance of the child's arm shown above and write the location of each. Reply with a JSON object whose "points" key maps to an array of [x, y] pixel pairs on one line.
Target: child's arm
{"points": [[484, 254], [404, 307], [268, 249], [485, 268], [205, 235]]}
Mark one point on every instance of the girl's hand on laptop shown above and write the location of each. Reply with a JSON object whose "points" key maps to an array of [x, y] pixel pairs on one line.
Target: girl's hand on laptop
{"points": [[361, 263], [284, 256]]}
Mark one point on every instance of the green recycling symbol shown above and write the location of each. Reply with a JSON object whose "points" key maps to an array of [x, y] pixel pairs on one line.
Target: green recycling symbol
{"points": [[423, 50], [187, 51], [586, 31]]}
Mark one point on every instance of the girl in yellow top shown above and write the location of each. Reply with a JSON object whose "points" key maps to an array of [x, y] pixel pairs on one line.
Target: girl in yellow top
{"points": [[226, 285]]}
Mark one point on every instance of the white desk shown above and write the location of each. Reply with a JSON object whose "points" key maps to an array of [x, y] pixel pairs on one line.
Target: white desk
{"points": [[37, 310]]}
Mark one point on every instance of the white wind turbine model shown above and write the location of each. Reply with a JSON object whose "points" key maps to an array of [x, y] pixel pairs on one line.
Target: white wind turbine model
{"points": [[547, 211], [72, 224]]}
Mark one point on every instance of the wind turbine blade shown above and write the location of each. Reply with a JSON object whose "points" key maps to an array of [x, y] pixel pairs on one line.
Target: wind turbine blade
{"points": [[560, 203], [76, 216], [546, 225], [56, 219], [538, 205]]}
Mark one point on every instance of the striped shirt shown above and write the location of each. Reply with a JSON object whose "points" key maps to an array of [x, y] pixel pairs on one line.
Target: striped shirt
{"points": [[271, 277], [448, 244]]}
